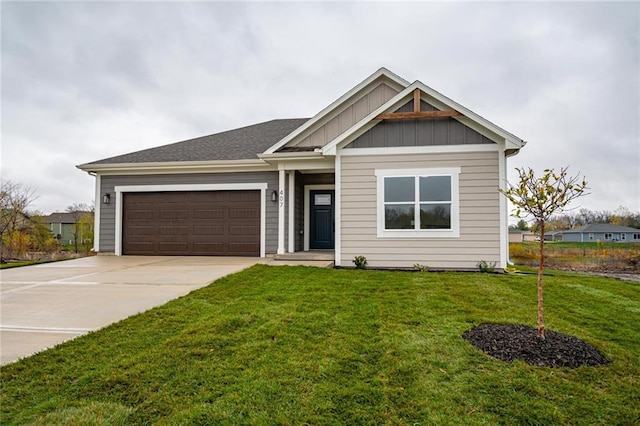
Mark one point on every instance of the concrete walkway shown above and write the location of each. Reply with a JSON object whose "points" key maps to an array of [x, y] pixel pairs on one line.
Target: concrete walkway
{"points": [[43, 305]]}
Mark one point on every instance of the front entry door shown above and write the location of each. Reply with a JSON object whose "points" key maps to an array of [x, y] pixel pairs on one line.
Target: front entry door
{"points": [[321, 226]]}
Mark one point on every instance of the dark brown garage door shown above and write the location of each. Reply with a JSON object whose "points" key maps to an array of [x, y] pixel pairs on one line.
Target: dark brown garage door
{"points": [[217, 223]]}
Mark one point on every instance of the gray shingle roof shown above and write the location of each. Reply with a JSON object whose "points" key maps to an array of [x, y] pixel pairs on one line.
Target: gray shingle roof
{"points": [[61, 218], [244, 143], [602, 227]]}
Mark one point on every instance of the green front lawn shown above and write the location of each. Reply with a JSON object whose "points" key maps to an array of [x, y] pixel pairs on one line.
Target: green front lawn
{"points": [[300, 345], [18, 264]]}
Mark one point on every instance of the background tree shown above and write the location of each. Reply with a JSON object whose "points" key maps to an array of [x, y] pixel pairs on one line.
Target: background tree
{"points": [[522, 225], [540, 198], [85, 226], [77, 211], [14, 218]]}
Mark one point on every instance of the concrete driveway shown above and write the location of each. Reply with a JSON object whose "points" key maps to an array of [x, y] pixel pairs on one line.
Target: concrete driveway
{"points": [[43, 305]]}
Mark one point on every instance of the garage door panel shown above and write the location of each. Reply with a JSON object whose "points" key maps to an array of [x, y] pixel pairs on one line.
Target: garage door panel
{"points": [[235, 213], [192, 223], [141, 230], [243, 230], [174, 230], [142, 246], [174, 214], [208, 214], [236, 249], [171, 248], [209, 230]]}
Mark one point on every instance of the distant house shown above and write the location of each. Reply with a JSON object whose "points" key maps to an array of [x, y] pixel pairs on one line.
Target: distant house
{"points": [[516, 235], [597, 232], [62, 226]]}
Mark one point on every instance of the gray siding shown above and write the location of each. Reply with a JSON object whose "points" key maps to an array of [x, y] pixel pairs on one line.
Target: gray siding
{"points": [[349, 116], [107, 211], [419, 132], [479, 213], [577, 237]]}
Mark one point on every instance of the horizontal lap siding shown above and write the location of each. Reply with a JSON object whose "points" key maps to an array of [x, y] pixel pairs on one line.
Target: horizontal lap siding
{"points": [[479, 213], [108, 183]]}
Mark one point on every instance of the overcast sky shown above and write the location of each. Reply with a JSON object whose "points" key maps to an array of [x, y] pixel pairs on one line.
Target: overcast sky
{"points": [[82, 81]]}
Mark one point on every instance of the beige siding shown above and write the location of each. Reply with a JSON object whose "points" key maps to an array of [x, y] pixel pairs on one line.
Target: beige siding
{"points": [[360, 108], [479, 213]]}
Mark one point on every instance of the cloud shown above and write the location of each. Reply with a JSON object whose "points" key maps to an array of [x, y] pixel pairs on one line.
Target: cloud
{"points": [[84, 81]]}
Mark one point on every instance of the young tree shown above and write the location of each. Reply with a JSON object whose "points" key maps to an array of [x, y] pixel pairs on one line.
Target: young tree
{"points": [[540, 198], [78, 211]]}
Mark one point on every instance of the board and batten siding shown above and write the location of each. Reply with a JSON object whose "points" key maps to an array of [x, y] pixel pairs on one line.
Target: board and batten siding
{"points": [[419, 132], [479, 213], [351, 115], [109, 182]]}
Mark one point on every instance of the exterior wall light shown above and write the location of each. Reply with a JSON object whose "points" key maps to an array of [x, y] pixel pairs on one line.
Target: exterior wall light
{"points": [[274, 196], [106, 198]]}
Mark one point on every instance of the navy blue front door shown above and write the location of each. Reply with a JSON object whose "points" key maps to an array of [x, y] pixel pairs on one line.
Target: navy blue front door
{"points": [[321, 226]]}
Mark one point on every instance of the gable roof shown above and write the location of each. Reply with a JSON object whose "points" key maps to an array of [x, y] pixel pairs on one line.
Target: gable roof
{"points": [[60, 217], [600, 227], [237, 144], [438, 100], [382, 75]]}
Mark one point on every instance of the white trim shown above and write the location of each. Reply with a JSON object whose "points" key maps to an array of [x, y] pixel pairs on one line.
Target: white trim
{"points": [[454, 232], [430, 149], [504, 210], [178, 167], [119, 190], [292, 195], [281, 202], [338, 211], [307, 210], [96, 216], [334, 105]]}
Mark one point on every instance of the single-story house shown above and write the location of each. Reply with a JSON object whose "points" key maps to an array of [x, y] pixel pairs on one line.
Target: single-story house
{"points": [[392, 170], [63, 226], [516, 235], [599, 232]]}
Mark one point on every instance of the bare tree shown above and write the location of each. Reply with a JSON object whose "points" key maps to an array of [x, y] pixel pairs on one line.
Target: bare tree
{"points": [[541, 197], [14, 218]]}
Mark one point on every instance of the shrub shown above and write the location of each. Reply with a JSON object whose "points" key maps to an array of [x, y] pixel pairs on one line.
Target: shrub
{"points": [[486, 267], [360, 262], [421, 268]]}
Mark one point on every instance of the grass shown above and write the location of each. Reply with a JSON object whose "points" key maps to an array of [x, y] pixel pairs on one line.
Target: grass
{"points": [[590, 255], [21, 263], [300, 345]]}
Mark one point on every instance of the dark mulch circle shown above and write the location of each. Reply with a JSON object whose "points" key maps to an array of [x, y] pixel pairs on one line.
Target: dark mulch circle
{"points": [[512, 341]]}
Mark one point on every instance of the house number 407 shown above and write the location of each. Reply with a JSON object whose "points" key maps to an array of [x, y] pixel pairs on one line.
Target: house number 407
{"points": [[282, 198]]}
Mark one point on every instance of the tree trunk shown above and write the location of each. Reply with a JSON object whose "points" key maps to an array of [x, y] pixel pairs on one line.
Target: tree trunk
{"points": [[540, 298]]}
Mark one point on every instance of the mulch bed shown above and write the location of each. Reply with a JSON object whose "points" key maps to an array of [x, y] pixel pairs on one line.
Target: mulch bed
{"points": [[509, 342]]}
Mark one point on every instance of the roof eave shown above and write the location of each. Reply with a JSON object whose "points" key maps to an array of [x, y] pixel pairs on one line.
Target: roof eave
{"points": [[170, 165]]}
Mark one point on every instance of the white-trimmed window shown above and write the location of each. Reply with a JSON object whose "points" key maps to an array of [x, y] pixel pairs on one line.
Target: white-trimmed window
{"points": [[590, 236], [418, 203], [623, 236], [636, 236], [608, 236]]}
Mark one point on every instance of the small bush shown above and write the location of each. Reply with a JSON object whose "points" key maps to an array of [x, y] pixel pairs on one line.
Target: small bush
{"points": [[360, 262], [486, 267], [421, 268]]}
